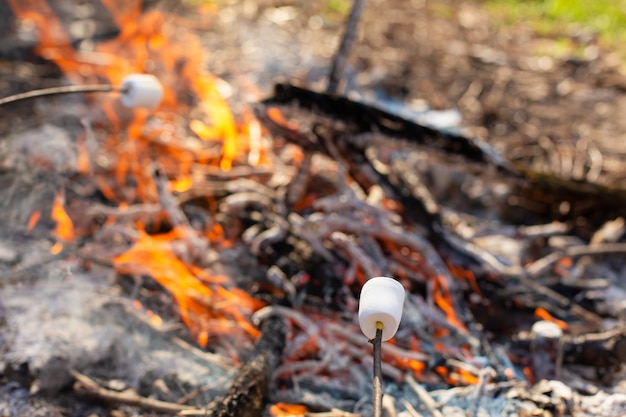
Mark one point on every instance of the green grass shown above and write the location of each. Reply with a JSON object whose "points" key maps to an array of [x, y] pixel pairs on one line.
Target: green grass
{"points": [[338, 6], [560, 18]]}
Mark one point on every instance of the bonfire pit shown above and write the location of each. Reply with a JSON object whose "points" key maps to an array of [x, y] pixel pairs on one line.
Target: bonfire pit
{"points": [[206, 257]]}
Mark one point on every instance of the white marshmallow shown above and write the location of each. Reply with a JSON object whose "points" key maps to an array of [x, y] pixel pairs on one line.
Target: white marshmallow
{"points": [[141, 90], [381, 300]]}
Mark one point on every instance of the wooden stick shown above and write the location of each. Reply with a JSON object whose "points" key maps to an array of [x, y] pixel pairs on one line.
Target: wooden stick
{"points": [[65, 89]]}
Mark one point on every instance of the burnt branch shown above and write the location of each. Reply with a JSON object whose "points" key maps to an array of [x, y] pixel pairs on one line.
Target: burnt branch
{"points": [[247, 394]]}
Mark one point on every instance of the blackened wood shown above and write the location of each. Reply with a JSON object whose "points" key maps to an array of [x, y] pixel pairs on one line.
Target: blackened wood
{"points": [[337, 126], [363, 118], [602, 350], [606, 349], [247, 394], [540, 195]]}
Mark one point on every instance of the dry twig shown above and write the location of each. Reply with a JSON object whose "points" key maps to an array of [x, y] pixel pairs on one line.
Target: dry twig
{"points": [[87, 386]]}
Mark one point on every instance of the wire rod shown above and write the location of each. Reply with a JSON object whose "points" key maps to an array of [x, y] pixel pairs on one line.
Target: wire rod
{"points": [[65, 89], [378, 380], [343, 52]]}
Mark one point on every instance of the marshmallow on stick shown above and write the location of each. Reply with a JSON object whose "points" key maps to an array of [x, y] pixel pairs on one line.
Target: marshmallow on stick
{"points": [[141, 90], [381, 301]]}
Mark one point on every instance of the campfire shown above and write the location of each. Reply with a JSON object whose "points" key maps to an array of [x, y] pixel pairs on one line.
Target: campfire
{"points": [[206, 257]]}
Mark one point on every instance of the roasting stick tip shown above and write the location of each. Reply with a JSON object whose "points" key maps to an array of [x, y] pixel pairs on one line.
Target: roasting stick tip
{"points": [[380, 312]]}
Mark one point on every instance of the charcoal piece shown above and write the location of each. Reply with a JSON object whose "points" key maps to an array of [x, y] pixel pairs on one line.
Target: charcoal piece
{"points": [[247, 394]]}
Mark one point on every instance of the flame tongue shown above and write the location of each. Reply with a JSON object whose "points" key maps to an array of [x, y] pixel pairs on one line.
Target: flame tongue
{"points": [[140, 141], [64, 230], [202, 306]]}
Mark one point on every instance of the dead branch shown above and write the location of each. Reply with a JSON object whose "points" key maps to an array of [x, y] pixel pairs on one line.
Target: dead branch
{"points": [[87, 386], [247, 394], [603, 350], [424, 396]]}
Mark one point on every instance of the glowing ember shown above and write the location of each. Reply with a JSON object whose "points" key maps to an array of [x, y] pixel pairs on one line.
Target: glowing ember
{"points": [[287, 410], [64, 229], [207, 310], [154, 318], [545, 315], [33, 220], [442, 297]]}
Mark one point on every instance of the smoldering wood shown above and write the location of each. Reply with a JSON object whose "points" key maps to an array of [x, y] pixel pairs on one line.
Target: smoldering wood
{"points": [[362, 118], [338, 126], [545, 192], [602, 350]]}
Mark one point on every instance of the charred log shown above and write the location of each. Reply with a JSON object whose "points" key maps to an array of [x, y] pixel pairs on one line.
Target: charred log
{"points": [[247, 394], [361, 118], [537, 195], [601, 350]]}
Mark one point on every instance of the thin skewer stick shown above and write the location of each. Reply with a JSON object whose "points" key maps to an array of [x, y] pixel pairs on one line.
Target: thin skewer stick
{"points": [[137, 91], [65, 89], [378, 381], [343, 52]]}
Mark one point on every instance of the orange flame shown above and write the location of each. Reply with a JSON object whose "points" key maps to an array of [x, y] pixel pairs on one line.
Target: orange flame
{"points": [[53, 42], [147, 40], [543, 314], [287, 410], [441, 295], [33, 220], [200, 305], [64, 229], [83, 165], [140, 140]]}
